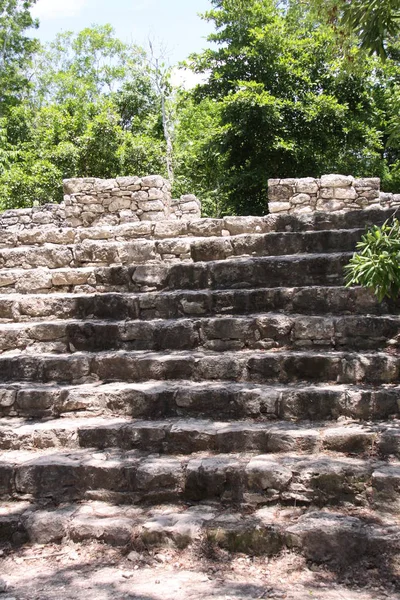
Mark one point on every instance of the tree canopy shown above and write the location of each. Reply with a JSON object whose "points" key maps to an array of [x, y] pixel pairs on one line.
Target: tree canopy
{"points": [[289, 90], [16, 50]]}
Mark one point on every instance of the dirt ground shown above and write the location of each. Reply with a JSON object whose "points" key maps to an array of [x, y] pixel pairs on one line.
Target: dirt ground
{"points": [[98, 572]]}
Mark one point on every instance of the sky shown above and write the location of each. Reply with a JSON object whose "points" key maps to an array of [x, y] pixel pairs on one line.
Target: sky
{"points": [[172, 24]]}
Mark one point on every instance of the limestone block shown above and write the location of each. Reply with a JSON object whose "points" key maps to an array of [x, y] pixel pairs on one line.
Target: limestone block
{"points": [[348, 193], [71, 186], [121, 194], [174, 246], [155, 194], [322, 536], [301, 199], [360, 202], [371, 183], [369, 194], [304, 209], [127, 182], [34, 280], [396, 200], [152, 216], [336, 181], [74, 222], [190, 207], [8, 238], [42, 218], [127, 215], [189, 216], [238, 225], [170, 229], [104, 185], [278, 207], [137, 251], [69, 277], [44, 527], [95, 208], [265, 474], [280, 192], [141, 196], [89, 199], [330, 205], [189, 198], [306, 185], [205, 227], [73, 211], [9, 221], [385, 199], [88, 218], [153, 205], [31, 236], [119, 204], [7, 397], [152, 181]]}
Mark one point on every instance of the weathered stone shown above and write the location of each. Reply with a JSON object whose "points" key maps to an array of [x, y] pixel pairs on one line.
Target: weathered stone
{"points": [[336, 181], [301, 199], [280, 193], [279, 207], [349, 193], [325, 537], [267, 475], [307, 185], [153, 181]]}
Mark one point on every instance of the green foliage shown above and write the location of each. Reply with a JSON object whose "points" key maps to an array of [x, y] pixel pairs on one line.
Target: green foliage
{"points": [[371, 22], [199, 166], [92, 111], [289, 104], [31, 179], [16, 50], [142, 154], [376, 265], [289, 93]]}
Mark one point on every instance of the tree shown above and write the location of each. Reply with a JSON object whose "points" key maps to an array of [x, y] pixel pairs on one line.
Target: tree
{"points": [[289, 104], [160, 75], [92, 111], [199, 164], [16, 50], [374, 22]]}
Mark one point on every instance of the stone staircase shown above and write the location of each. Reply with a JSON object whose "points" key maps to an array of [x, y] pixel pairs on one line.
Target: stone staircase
{"points": [[213, 380]]}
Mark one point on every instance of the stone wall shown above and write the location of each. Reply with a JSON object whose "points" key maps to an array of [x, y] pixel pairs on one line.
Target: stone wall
{"points": [[124, 200], [48, 215], [89, 202], [329, 194]]}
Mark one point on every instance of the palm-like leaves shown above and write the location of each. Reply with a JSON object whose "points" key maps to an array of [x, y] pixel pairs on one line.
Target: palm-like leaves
{"points": [[376, 265]]}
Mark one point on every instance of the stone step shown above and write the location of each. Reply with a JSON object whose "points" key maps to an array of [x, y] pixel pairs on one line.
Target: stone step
{"points": [[244, 366], [20, 308], [106, 253], [261, 331], [200, 228], [188, 436], [166, 399], [240, 273], [133, 476], [322, 536]]}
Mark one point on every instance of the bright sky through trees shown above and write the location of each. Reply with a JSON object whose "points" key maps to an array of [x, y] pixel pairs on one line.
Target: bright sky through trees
{"points": [[175, 23]]}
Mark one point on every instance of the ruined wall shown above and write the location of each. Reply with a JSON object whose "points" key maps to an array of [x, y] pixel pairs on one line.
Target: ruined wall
{"points": [[329, 194], [89, 202]]}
